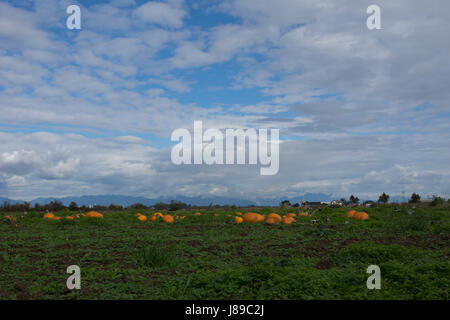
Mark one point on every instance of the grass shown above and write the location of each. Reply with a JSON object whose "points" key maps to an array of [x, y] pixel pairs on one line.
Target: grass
{"points": [[209, 257]]}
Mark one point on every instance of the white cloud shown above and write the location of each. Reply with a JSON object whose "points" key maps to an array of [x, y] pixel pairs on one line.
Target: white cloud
{"points": [[161, 13], [323, 77]]}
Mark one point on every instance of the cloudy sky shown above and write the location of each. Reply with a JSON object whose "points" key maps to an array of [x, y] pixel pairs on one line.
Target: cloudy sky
{"points": [[91, 111]]}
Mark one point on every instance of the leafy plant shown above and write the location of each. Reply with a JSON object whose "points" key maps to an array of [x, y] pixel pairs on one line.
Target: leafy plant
{"points": [[152, 257]]}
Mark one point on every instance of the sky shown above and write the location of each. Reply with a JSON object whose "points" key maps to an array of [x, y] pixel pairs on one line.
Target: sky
{"points": [[91, 111]]}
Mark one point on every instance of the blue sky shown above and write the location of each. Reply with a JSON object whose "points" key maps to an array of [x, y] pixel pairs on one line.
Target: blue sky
{"points": [[91, 111]]}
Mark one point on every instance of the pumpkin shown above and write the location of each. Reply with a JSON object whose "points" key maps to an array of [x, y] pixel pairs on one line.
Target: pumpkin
{"points": [[287, 220], [272, 220], [361, 216], [138, 214], [291, 215], [302, 214], [239, 213], [70, 218], [182, 217], [251, 217], [197, 214], [238, 219], [49, 215], [93, 214], [228, 215], [216, 215], [274, 216], [142, 218], [350, 214], [154, 218], [168, 218], [55, 218], [9, 219]]}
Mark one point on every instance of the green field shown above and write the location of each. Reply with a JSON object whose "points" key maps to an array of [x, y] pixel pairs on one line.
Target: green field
{"points": [[212, 257]]}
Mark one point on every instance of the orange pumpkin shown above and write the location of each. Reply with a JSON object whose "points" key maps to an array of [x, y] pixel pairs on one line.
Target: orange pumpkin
{"points": [[142, 218], [238, 219], [291, 215], [154, 218], [168, 218], [274, 216], [10, 219], [197, 214], [49, 215], [287, 220], [302, 214], [93, 214], [361, 216], [55, 218], [70, 217], [251, 217], [239, 213], [350, 214], [138, 214], [273, 220]]}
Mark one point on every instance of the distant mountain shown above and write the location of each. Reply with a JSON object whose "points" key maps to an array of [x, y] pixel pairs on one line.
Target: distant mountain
{"points": [[11, 201], [106, 200]]}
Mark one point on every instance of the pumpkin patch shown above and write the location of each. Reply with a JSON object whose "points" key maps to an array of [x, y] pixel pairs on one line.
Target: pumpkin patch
{"points": [[221, 250]]}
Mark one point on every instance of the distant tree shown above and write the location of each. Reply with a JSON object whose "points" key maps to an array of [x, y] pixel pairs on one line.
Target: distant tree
{"points": [[161, 206], [55, 206], [73, 206], [6, 206], [138, 206], [115, 207], [285, 203], [436, 201], [296, 205], [99, 208], [353, 199], [415, 198], [343, 201], [176, 205], [384, 198], [233, 207]]}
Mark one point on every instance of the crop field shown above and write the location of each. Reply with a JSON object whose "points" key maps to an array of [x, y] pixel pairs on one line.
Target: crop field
{"points": [[323, 255]]}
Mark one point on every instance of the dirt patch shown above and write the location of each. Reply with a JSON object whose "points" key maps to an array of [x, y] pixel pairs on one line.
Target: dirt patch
{"points": [[324, 264]]}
